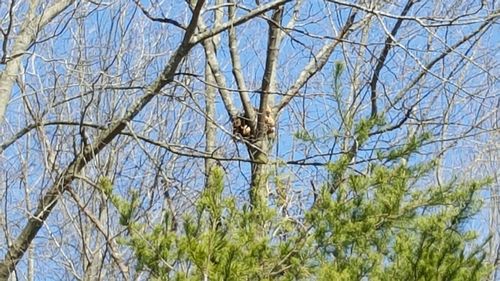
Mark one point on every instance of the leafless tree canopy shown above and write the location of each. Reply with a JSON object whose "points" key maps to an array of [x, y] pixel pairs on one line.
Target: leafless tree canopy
{"points": [[152, 94]]}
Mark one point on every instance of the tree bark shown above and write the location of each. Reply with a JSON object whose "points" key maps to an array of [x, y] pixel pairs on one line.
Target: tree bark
{"points": [[259, 181], [209, 121], [24, 40]]}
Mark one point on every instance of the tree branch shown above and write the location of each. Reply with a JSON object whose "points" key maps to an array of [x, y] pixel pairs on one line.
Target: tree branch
{"points": [[232, 23], [16, 251], [269, 77], [426, 69], [383, 55], [236, 66], [219, 78], [162, 20], [316, 64], [26, 37]]}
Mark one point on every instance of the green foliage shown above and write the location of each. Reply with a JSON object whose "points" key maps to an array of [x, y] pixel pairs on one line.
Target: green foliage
{"points": [[387, 224], [304, 136], [125, 208], [382, 227], [413, 143], [218, 241], [338, 69]]}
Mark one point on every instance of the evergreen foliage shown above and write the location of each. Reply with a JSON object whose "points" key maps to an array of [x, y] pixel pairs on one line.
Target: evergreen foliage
{"points": [[386, 224]]}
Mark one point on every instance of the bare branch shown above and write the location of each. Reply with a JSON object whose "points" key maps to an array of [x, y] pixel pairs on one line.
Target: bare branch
{"points": [[113, 251], [26, 37], [426, 69], [433, 21], [316, 64], [162, 20], [383, 55], [268, 80], [236, 64], [219, 78], [241, 20], [50, 199]]}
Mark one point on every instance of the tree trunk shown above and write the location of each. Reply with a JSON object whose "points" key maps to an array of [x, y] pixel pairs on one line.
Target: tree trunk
{"points": [[209, 122], [260, 173]]}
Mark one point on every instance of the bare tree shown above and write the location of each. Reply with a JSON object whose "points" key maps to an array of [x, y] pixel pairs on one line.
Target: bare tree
{"points": [[19, 35], [90, 149]]}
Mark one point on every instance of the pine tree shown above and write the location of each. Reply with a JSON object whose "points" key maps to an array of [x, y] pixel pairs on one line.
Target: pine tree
{"points": [[386, 224]]}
